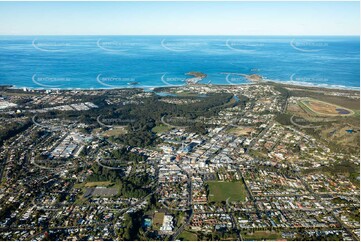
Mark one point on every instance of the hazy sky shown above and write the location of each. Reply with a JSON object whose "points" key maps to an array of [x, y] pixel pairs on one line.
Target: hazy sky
{"points": [[179, 18]]}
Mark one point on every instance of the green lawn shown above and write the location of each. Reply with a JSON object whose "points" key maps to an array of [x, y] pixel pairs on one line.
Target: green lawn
{"points": [[93, 184], [161, 128], [158, 220], [219, 191], [262, 235], [117, 131], [188, 236]]}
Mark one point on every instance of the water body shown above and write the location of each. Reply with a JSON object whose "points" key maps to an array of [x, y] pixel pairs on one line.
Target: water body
{"points": [[91, 62], [166, 94]]}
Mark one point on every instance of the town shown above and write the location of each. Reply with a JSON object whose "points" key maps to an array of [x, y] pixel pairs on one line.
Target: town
{"points": [[261, 161]]}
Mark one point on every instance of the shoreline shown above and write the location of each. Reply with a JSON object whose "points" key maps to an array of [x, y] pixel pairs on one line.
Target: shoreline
{"points": [[314, 86], [151, 88]]}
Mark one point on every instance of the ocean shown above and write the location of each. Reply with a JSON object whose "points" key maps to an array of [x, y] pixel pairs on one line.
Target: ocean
{"points": [[92, 62]]}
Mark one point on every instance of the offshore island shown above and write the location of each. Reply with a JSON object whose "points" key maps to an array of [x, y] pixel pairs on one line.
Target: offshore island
{"points": [[197, 77], [249, 77], [262, 161]]}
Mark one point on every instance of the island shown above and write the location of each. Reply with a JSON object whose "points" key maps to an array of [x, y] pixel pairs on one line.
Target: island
{"points": [[197, 77], [251, 77]]}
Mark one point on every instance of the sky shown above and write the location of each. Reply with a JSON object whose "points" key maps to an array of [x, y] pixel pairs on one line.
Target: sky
{"points": [[179, 18]]}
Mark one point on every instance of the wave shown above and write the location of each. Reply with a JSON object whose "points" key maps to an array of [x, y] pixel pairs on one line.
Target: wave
{"points": [[309, 84]]}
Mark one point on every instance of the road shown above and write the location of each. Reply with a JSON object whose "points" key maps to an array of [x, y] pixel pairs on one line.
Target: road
{"points": [[260, 135], [234, 221], [343, 225], [181, 228], [285, 107]]}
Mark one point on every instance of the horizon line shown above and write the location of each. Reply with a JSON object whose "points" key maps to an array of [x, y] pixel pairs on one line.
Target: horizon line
{"points": [[286, 35]]}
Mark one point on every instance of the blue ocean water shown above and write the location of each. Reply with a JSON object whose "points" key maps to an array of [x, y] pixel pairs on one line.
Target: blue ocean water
{"points": [[150, 61]]}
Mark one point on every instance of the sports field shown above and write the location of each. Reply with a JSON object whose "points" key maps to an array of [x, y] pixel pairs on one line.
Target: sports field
{"points": [[117, 131], [94, 184], [220, 191], [323, 108], [188, 236], [158, 219], [161, 128], [262, 235], [241, 131]]}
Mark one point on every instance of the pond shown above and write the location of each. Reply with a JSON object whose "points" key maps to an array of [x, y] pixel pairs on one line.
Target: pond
{"points": [[342, 111]]}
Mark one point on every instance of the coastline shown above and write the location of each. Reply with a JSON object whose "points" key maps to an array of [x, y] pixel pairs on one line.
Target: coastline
{"points": [[313, 86], [151, 88]]}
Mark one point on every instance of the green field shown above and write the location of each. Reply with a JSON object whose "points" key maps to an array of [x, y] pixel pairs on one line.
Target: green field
{"points": [[262, 235], [93, 184], [120, 130], [158, 220], [220, 191], [188, 236], [161, 128], [321, 108]]}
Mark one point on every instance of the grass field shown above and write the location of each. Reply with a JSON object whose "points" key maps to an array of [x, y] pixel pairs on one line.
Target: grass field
{"points": [[93, 184], [158, 219], [188, 236], [244, 131], [321, 108], [161, 128], [120, 130], [221, 191], [262, 235], [322, 94], [86, 185]]}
